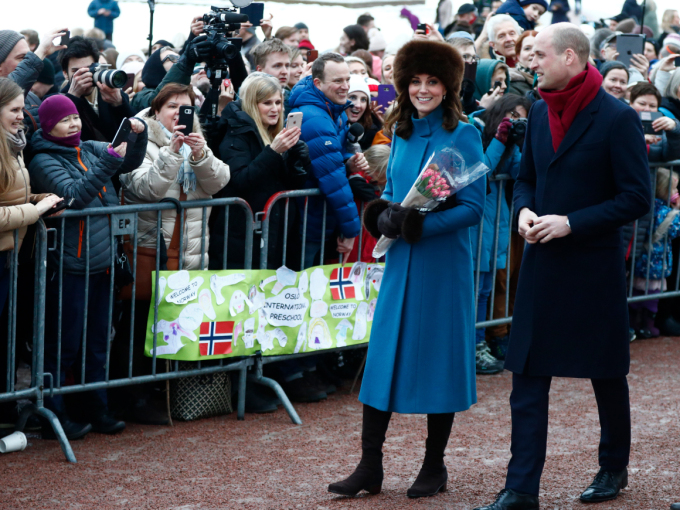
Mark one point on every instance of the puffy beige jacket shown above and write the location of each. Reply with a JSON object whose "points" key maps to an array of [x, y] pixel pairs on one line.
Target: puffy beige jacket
{"points": [[17, 207], [156, 179]]}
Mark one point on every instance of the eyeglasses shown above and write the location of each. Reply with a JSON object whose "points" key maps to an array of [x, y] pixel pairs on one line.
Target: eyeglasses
{"points": [[172, 58], [470, 59]]}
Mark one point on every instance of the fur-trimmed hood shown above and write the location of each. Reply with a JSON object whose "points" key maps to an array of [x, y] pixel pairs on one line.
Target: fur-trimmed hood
{"points": [[429, 57]]}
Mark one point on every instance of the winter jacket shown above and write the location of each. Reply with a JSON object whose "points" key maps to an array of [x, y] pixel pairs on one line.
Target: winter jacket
{"points": [[666, 221], [494, 197], [559, 9], [485, 69], [324, 129], [521, 82], [103, 23], [25, 75], [257, 173], [668, 149], [156, 179], [672, 105], [101, 126], [631, 9], [17, 207], [83, 173], [514, 10]]}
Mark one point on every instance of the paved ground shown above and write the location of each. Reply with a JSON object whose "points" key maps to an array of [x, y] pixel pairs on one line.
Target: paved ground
{"points": [[266, 462]]}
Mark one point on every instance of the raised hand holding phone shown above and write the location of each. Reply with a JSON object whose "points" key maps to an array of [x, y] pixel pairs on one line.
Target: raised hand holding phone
{"points": [[285, 139]]}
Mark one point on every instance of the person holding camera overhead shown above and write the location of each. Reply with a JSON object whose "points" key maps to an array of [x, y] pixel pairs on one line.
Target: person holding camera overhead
{"points": [[101, 108], [413, 366], [502, 127], [69, 167]]}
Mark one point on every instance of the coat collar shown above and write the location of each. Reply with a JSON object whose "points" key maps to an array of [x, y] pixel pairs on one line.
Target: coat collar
{"points": [[424, 127], [580, 124]]}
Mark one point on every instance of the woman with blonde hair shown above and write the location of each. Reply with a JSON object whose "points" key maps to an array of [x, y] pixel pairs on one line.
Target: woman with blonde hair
{"points": [[670, 23], [18, 206], [265, 158]]}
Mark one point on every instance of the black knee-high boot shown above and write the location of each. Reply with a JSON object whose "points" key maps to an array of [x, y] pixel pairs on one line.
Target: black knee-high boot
{"points": [[433, 476], [369, 473]]}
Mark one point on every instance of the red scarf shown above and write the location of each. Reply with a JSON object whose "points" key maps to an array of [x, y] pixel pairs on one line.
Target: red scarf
{"points": [[564, 105]]}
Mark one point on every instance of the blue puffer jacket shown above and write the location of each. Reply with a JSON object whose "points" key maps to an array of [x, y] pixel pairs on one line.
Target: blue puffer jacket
{"points": [[514, 10], [104, 23], [324, 129], [666, 221], [83, 173]]}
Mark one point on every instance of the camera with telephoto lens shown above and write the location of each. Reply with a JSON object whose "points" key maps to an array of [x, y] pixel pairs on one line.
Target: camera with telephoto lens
{"points": [[113, 78], [518, 129]]}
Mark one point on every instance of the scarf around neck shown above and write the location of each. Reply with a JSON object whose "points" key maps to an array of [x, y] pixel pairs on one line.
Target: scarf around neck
{"points": [[69, 141], [186, 176], [564, 105], [17, 142]]}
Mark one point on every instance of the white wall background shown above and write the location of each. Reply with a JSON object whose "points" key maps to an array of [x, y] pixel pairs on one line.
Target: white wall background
{"points": [[325, 22]]}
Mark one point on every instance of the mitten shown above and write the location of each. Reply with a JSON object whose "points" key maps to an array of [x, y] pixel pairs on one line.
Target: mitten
{"points": [[371, 214], [503, 131], [412, 226], [391, 219]]}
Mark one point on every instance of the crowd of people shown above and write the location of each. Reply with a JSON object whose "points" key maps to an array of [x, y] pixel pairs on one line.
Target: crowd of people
{"points": [[58, 121]]}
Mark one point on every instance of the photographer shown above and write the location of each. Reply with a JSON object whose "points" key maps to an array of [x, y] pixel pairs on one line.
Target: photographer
{"points": [[101, 108], [20, 64], [664, 144]]}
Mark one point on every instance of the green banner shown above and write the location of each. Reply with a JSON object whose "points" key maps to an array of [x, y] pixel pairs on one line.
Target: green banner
{"points": [[223, 314]]}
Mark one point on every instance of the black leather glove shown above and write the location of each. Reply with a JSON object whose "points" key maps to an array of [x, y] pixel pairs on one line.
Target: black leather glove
{"points": [[197, 50], [391, 220], [298, 155]]}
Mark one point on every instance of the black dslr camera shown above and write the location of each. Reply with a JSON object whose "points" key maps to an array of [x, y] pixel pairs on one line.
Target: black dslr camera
{"points": [[518, 130], [113, 78]]}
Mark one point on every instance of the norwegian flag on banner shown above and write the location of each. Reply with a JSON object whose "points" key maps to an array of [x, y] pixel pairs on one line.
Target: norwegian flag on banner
{"points": [[215, 338], [342, 286]]}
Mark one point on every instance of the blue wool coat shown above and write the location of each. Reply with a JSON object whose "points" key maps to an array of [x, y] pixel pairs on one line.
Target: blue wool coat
{"points": [[421, 356], [571, 313]]}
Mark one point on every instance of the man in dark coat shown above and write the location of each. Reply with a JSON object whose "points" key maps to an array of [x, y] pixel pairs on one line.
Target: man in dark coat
{"points": [[584, 175]]}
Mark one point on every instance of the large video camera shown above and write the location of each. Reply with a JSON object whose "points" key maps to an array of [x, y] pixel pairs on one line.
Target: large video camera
{"points": [[219, 24]]}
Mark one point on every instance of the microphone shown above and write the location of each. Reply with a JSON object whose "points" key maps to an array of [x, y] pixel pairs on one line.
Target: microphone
{"points": [[355, 133]]}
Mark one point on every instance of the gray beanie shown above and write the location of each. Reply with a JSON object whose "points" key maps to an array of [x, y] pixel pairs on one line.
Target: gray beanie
{"points": [[8, 40]]}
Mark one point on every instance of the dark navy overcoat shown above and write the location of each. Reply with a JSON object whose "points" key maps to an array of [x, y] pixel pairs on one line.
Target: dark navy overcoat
{"points": [[571, 315]]}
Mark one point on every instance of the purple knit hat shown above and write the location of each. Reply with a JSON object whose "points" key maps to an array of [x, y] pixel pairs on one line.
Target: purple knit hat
{"points": [[54, 109]]}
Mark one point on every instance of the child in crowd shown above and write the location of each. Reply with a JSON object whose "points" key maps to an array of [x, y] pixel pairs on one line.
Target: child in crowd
{"points": [[652, 261], [524, 12]]}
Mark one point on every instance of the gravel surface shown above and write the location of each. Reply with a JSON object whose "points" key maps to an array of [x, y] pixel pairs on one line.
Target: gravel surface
{"points": [[265, 462]]}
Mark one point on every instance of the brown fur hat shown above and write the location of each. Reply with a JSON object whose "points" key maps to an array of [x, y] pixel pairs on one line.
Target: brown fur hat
{"points": [[429, 57]]}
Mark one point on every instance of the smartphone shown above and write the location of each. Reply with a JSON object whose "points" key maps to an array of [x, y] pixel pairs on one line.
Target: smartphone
{"points": [[294, 120], [386, 93], [677, 61], [255, 12], [312, 55], [496, 85], [65, 38], [628, 45], [130, 81], [423, 27], [186, 119], [64, 204], [470, 72], [123, 133], [647, 118]]}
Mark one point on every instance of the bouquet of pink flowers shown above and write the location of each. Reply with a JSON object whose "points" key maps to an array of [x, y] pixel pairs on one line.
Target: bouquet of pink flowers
{"points": [[447, 171]]}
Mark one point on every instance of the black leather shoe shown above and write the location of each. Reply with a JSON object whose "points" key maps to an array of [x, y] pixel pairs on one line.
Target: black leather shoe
{"points": [[508, 499], [605, 486], [675, 506], [104, 424]]}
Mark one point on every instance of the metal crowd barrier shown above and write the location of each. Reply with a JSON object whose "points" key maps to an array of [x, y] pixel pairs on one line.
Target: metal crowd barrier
{"points": [[123, 221]]}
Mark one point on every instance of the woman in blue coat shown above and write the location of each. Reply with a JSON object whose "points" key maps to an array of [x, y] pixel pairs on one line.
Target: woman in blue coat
{"points": [[421, 357]]}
